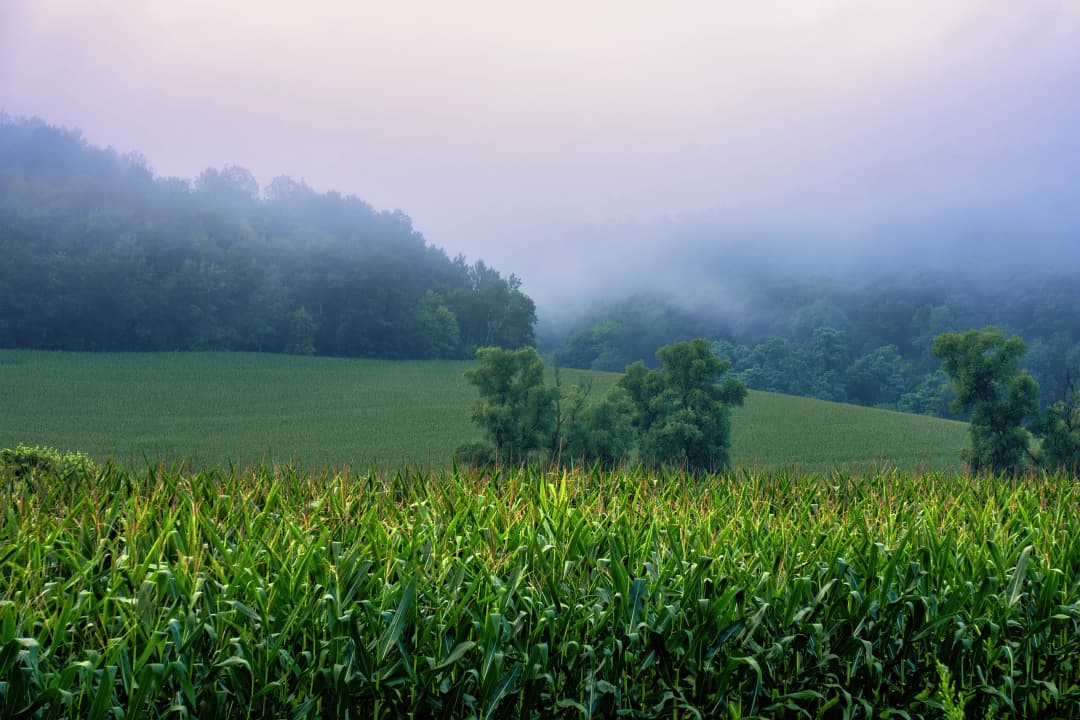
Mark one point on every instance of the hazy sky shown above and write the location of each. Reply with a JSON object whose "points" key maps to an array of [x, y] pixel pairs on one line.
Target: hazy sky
{"points": [[522, 132]]}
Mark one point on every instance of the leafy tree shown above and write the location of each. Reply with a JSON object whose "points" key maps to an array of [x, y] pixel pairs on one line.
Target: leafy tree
{"points": [[1059, 430], [593, 347], [931, 396], [301, 333], [821, 313], [829, 360], [492, 310], [437, 328], [778, 365], [1055, 361], [516, 410], [603, 432], [597, 433], [877, 378], [681, 412], [984, 371], [570, 402]]}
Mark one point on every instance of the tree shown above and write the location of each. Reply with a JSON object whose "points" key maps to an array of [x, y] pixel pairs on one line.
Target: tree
{"points": [[931, 396], [1059, 430], [437, 334], [984, 370], [829, 355], [516, 411], [602, 432], [879, 377], [681, 412], [301, 333], [493, 311], [597, 433], [232, 184]]}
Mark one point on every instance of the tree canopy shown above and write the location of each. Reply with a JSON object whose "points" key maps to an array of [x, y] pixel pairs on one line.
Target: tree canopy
{"points": [[516, 410], [984, 370], [861, 338], [682, 411], [678, 415], [1059, 430], [99, 254]]}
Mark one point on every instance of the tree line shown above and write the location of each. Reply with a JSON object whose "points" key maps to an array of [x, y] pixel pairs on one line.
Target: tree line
{"points": [[679, 414], [100, 254], [861, 341]]}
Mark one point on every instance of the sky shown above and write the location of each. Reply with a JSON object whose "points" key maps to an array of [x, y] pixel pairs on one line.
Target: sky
{"points": [[569, 142]]}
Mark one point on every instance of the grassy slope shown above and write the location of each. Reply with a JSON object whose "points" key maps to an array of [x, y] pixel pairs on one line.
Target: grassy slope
{"points": [[246, 407]]}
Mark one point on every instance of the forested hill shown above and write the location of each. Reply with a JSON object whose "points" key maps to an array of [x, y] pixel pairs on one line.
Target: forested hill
{"points": [[861, 338], [99, 254]]}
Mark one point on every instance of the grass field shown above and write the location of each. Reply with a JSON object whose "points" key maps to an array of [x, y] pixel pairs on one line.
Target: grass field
{"points": [[249, 408], [527, 594]]}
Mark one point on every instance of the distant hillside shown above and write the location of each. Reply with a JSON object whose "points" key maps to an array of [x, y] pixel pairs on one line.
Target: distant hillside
{"points": [[862, 337], [99, 254], [217, 407]]}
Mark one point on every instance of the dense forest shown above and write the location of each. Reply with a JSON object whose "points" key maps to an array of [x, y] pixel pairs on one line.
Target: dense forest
{"points": [[100, 254], [864, 339]]}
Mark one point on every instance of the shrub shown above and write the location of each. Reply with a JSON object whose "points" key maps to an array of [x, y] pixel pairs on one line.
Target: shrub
{"points": [[23, 462]]}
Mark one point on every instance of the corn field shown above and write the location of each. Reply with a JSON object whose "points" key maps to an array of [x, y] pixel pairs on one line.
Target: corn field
{"points": [[537, 593]]}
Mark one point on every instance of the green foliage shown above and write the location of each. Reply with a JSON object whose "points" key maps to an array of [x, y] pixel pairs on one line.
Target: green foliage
{"points": [[601, 432], [101, 255], [877, 378], [823, 367], [770, 323], [476, 454], [438, 332], [516, 410], [984, 369], [1054, 362], [615, 335], [1059, 430], [302, 329], [529, 594], [932, 396], [23, 462], [952, 703], [681, 412]]}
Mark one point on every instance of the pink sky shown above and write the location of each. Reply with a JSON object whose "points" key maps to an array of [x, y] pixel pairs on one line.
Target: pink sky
{"points": [[499, 125]]}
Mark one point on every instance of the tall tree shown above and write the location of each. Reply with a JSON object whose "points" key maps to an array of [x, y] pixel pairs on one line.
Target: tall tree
{"points": [[515, 410], [682, 412], [984, 371]]}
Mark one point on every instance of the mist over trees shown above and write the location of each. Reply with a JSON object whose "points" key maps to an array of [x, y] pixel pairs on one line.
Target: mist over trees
{"points": [[99, 254], [861, 333]]}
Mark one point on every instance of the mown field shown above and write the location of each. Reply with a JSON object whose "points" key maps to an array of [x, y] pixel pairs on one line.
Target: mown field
{"points": [[278, 594], [213, 408]]}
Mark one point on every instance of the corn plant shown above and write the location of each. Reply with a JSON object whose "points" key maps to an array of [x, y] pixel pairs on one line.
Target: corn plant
{"points": [[537, 593]]}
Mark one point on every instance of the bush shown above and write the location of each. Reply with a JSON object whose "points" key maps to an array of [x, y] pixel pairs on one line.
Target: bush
{"points": [[23, 462]]}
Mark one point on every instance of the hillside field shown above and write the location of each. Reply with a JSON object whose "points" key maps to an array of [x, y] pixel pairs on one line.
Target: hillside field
{"points": [[213, 408]]}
